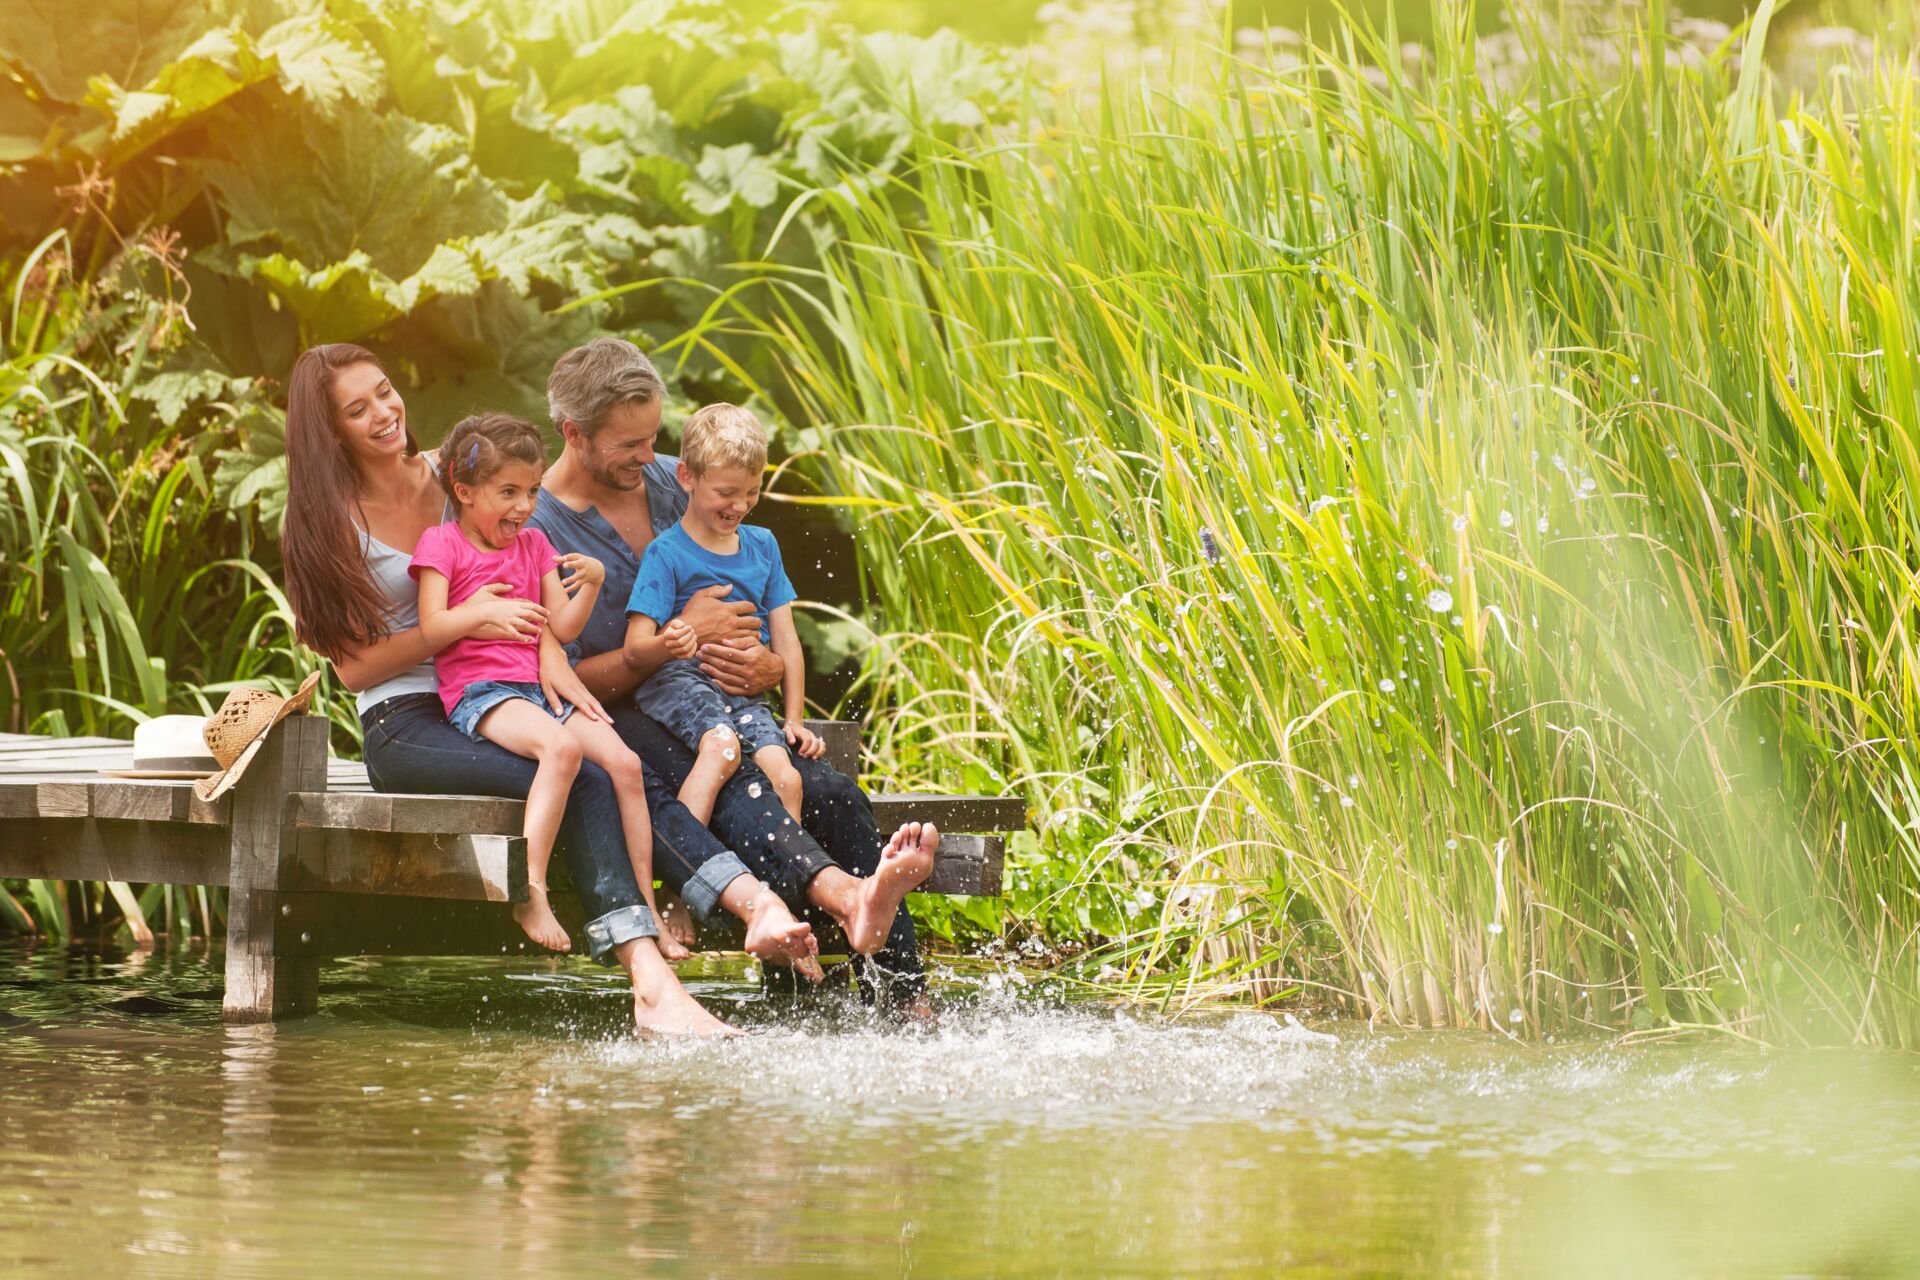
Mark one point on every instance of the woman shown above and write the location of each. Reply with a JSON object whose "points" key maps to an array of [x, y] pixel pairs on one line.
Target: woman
{"points": [[360, 494]]}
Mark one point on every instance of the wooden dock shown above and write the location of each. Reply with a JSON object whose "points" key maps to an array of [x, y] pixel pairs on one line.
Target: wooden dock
{"points": [[318, 864]]}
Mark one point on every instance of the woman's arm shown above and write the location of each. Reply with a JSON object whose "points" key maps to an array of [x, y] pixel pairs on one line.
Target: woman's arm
{"points": [[488, 614]]}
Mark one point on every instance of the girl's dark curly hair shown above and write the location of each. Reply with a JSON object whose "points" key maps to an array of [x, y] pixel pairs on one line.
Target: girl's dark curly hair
{"points": [[479, 446]]}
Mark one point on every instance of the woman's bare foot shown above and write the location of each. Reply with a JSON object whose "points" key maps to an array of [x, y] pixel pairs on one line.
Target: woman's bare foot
{"points": [[905, 862], [539, 922], [773, 935], [674, 918], [662, 1007]]}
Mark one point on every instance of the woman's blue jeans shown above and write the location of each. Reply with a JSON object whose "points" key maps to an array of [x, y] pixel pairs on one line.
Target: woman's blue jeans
{"points": [[410, 747]]}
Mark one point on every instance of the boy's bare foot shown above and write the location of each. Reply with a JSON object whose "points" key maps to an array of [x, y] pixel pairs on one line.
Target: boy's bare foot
{"points": [[774, 935], [905, 862], [675, 920], [537, 919]]}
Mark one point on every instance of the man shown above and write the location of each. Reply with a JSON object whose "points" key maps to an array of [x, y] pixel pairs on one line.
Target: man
{"points": [[606, 496]]}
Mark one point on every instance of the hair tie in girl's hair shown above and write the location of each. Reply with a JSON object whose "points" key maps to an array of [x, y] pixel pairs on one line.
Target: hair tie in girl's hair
{"points": [[473, 455]]}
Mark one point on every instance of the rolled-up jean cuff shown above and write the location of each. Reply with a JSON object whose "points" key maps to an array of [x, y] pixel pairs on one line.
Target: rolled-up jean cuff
{"points": [[622, 924], [702, 890]]}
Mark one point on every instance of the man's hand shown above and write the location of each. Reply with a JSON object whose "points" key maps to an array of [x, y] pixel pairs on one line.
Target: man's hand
{"points": [[743, 667], [810, 745], [718, 620]]}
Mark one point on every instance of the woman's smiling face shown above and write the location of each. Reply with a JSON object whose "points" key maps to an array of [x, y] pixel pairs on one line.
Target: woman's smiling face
{"points": [[368, 415]]}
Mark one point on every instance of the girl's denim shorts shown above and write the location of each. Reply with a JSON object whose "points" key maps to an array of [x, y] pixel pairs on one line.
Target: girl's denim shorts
{"points": [[483, 696]]}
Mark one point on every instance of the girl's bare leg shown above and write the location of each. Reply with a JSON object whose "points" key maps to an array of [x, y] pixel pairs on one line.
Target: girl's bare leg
{"points": [[602, 745], [527, 730]]}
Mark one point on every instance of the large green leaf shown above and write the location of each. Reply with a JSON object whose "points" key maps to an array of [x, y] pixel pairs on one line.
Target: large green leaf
{"points": [[322, 189], [205, 74], [128, 41], [324, 61]]}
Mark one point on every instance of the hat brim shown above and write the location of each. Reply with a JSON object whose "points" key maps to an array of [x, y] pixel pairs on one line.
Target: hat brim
{"points": [[213, 786], [157, 773]]}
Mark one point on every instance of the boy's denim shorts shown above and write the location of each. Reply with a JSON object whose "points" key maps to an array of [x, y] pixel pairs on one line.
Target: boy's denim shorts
{"points": [[686, 700], [483, 696]]}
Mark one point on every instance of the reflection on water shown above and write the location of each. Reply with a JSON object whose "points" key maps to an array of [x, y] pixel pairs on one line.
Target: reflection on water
{"points": [[465, 1117]]}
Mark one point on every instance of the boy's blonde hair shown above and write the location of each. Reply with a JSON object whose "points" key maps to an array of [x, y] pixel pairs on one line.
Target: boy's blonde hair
{"points": [[723, 435]]}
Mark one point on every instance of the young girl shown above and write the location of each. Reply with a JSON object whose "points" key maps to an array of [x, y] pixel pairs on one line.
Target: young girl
{"points": [[491, 466]]}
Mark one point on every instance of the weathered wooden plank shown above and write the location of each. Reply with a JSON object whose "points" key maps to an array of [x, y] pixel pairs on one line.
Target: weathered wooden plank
{"points": [[62, 799], [152, 801], [843, 744], [950, 813], [967, 866], [265, 978], [112, 849], [477, 868], [28, 744], [376, 811]]}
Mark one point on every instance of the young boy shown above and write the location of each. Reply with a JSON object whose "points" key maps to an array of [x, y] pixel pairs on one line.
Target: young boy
{"points": [[723, 453]]}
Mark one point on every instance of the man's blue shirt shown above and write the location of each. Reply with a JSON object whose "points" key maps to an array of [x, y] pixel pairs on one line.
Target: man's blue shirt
{"points": [[589, 534]]}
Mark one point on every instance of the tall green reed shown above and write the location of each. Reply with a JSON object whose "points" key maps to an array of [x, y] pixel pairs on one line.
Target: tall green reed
{"points": [[1455, 539]]}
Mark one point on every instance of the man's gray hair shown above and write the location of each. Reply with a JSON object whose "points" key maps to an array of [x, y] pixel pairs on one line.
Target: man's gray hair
{"points": [[589, 382]]}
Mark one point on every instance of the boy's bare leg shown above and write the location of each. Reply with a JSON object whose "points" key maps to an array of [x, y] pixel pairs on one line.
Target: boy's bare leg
{"points": [[717, 760], [864, 907], [778, 766], [603, 746], [527, 730]]}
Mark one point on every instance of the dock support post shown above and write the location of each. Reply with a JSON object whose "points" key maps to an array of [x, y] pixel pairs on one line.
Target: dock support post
{"points": [[264, 980]]}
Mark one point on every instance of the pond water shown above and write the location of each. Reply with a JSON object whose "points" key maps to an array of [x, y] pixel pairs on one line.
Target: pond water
{"points": [[487, 1117]]}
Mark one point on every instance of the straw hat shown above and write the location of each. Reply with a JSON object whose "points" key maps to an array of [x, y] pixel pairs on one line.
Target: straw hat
{"points": [[169, 747], [237, 730]]}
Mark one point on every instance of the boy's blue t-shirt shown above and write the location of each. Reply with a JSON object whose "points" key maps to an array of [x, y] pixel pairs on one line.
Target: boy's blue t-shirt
{"points": [[675, 566]]}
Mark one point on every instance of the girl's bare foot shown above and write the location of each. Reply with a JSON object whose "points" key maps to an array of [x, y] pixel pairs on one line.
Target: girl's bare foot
{"points": [[675, 922], [537, 919], [774, 935], [905, 862]]}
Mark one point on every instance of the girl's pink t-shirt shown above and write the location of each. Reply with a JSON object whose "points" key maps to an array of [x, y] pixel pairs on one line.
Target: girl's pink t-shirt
{"points": [[467, 568]]}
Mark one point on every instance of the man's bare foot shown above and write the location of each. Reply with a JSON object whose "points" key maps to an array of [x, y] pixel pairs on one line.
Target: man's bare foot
{"points": [[539, 922], [774, 935], [905, 862], [676, 928]]}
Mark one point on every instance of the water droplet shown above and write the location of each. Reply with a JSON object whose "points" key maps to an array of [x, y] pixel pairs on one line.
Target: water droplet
{"points": [[1506, 519], [1459, 524], [1516, 1017], [1386, 684], [1439, 600], [753, 789], [1496, 928]]}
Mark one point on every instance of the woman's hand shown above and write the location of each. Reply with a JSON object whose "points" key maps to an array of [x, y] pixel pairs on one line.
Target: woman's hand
{"points": [[808, 744], [681, 639], [579, 571], [558, 680], [498, 616]]}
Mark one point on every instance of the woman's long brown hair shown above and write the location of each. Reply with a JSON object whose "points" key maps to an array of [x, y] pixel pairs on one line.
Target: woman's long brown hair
{"points": [[336, 604]]}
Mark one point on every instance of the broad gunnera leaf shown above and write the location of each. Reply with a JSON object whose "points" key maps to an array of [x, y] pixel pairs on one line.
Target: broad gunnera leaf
{"points": [[321, 190], [324, 61], [130, 41]]}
